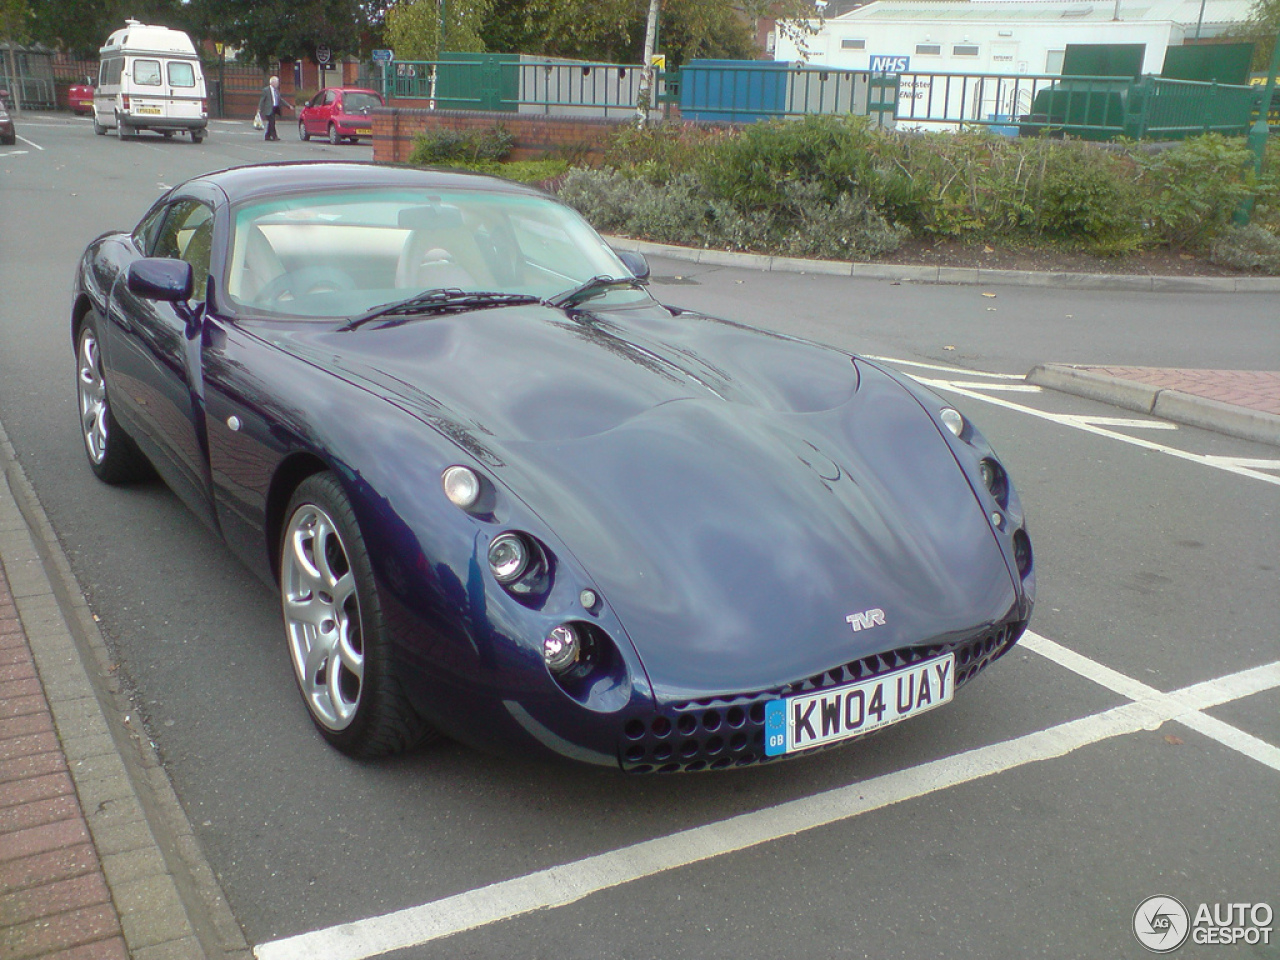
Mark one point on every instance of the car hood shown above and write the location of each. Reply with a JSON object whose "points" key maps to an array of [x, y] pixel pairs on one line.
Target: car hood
{"points": [[734, 496]]}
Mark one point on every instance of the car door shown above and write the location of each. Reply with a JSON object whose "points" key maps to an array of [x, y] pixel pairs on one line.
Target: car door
{"points": [[311, 114], [154, 356]]}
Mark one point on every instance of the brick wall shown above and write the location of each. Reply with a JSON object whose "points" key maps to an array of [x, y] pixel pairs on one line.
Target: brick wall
{"points": [[394, 130]]}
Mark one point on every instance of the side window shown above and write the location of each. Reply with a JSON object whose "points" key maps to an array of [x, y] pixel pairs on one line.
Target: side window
{"points": [[317, 99], [329, 98], [146, 73], [181, 74], [188, 235], [144, 235], [109, 74]]}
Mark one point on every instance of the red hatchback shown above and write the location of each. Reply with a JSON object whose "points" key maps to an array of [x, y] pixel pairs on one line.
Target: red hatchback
{"points": [[80, 96], [340, 113]]}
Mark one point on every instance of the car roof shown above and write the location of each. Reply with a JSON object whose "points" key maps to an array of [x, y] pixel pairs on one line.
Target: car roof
{"points": [[273, 179]]}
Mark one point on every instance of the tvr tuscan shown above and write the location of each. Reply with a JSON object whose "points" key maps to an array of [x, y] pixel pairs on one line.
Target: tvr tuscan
{"points": [[507, 496]]}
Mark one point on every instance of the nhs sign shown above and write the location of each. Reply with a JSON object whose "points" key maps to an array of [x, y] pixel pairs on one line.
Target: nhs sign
{"points": [[883, 63]]}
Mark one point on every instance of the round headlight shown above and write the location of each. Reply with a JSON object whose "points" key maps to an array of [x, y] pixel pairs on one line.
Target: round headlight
{"points": [[508, 557], [561, 648], [461, 486], [952, 420]]}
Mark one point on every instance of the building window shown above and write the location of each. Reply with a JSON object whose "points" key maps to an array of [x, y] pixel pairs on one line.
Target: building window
{"points": [[964, 50], [929, 49], [1053, 62], [849, 43]]}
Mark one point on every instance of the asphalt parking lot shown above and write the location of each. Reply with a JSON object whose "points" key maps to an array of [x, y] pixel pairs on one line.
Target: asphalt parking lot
{"points": [[1129, 747]]}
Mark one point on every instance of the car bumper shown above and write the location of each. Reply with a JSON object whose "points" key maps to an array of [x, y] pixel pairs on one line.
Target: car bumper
{"points": [[150, 122]]}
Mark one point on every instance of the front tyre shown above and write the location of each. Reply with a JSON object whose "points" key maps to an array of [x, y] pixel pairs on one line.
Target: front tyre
{"points": [[113, 457], [333, 135], [303, 134], [334, 627]]}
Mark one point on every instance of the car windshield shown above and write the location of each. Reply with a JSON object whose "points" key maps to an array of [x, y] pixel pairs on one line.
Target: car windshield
{"points": [[360, 102], [342, 253]]}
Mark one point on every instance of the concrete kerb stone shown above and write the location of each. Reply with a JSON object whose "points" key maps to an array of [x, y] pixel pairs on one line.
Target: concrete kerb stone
{"points": [[1256, 425], [1174, 405], [121, 786], [920, 273]]}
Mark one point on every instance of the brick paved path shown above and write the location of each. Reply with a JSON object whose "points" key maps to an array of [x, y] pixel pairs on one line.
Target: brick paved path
{"points": [[1252, 389], [54, 901]]}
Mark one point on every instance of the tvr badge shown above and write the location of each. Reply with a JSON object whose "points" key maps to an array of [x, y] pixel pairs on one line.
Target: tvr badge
{"points": [[866, 620]]}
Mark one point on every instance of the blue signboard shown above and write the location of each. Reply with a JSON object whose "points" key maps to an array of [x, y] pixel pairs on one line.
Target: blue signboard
{"points": [[382, 56], [887, 63]]}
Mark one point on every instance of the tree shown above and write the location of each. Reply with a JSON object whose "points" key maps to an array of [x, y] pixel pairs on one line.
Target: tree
{"points": [[271, 30], [1261, 28], [81, 27], [413, 27], [15, 19]]}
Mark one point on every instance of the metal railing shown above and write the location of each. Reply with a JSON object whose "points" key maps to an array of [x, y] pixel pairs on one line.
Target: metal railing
{"points": [[561, 87], [1096, 108]]}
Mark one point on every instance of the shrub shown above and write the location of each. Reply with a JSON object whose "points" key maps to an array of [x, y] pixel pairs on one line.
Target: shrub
{"points": [[1087, 196], [1193, 189], [525, 171], [1247, 248], [451, 146]]}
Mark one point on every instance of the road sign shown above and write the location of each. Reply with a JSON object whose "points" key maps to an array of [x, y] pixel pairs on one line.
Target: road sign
{"points": [[382, 56], [323, 54]]}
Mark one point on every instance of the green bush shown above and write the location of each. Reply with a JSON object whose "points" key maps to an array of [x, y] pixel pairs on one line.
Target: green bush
{"points": [[525, 171], [1087, 196], [444, 147], [1247, 248], [1191, 190]]}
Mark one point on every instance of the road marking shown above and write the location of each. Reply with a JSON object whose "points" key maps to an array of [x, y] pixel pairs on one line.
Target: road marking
{"points": [[934, 366], [1129, 423], [1002, 387], [15, 153], [1085, 424], [559, 886], [31, 143], [1246, 462]]}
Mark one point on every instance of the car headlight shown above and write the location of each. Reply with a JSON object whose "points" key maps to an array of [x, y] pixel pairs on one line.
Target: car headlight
{"points": [[952, 419], [509, 557], [461, 486], [561, 648]]}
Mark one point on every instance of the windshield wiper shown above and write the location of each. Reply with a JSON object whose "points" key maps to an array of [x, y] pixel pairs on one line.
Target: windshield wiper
{"points": [[588, 287], [442, 300]]}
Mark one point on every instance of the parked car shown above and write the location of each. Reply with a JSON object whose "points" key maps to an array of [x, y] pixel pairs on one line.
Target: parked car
{"points": [[339, 113], [8, 134], [80, 96], [150, 78], [507, 496]]}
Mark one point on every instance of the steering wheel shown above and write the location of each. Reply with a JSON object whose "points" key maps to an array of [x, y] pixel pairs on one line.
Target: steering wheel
{"points": [[303, 283]]}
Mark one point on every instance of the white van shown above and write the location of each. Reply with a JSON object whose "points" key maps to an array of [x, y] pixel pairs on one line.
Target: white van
{"points": [[150, 79]]}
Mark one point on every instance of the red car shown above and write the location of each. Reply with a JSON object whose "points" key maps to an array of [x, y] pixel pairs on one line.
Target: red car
{"points": [[80, 96], [340, 113]]}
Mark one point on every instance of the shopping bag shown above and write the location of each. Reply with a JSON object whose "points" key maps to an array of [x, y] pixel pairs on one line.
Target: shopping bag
{"points": [[257, 121]]}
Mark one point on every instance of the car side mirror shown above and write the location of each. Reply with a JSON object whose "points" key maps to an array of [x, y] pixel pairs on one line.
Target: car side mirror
{"points": [[636, 263], [161, 278]]}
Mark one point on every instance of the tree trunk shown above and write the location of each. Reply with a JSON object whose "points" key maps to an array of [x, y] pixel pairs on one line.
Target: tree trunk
{"points": [[645, 97]]}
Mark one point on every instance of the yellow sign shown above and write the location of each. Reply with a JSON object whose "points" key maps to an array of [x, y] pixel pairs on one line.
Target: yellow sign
{"points": [[658, 61]]}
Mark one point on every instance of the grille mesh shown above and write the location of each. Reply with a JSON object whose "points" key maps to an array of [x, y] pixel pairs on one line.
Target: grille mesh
{"points": [[721, 732]]}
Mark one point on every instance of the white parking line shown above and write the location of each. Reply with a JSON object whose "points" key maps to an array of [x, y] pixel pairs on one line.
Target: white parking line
{"points": [[565, 884], [935, 366], [30, 143], [1088, 425]]}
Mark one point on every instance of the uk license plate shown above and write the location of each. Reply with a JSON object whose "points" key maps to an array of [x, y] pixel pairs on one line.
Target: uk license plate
{"points": [[812, 719], [149, 111]]}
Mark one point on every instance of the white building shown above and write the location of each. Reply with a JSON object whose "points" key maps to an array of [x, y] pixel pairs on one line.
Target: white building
{"points": [[1002, 36]]}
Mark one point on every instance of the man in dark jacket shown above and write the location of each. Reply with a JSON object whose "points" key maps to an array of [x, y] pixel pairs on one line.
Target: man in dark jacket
{"points": [[270, 105]]}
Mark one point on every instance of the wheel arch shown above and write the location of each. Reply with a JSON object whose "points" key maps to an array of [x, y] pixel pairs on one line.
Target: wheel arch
{"points": [[79, 310], [292, 471]]}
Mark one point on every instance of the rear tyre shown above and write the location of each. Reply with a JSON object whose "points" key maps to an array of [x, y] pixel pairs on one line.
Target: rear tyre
{"points": [[98, 128], [123, 130], [334, 627], [113, 456], [333, 135], [302, 131]]}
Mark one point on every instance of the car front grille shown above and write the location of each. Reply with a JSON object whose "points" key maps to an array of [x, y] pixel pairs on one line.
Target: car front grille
{"points": [[721, 732]]}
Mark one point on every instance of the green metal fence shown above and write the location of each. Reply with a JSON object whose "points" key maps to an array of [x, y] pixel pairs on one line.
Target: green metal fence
{"points": [[1096, 108], [510, 84]]}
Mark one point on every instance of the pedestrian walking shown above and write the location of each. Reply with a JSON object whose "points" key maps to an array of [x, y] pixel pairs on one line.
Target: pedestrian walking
{"points": [[270, 106]]}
